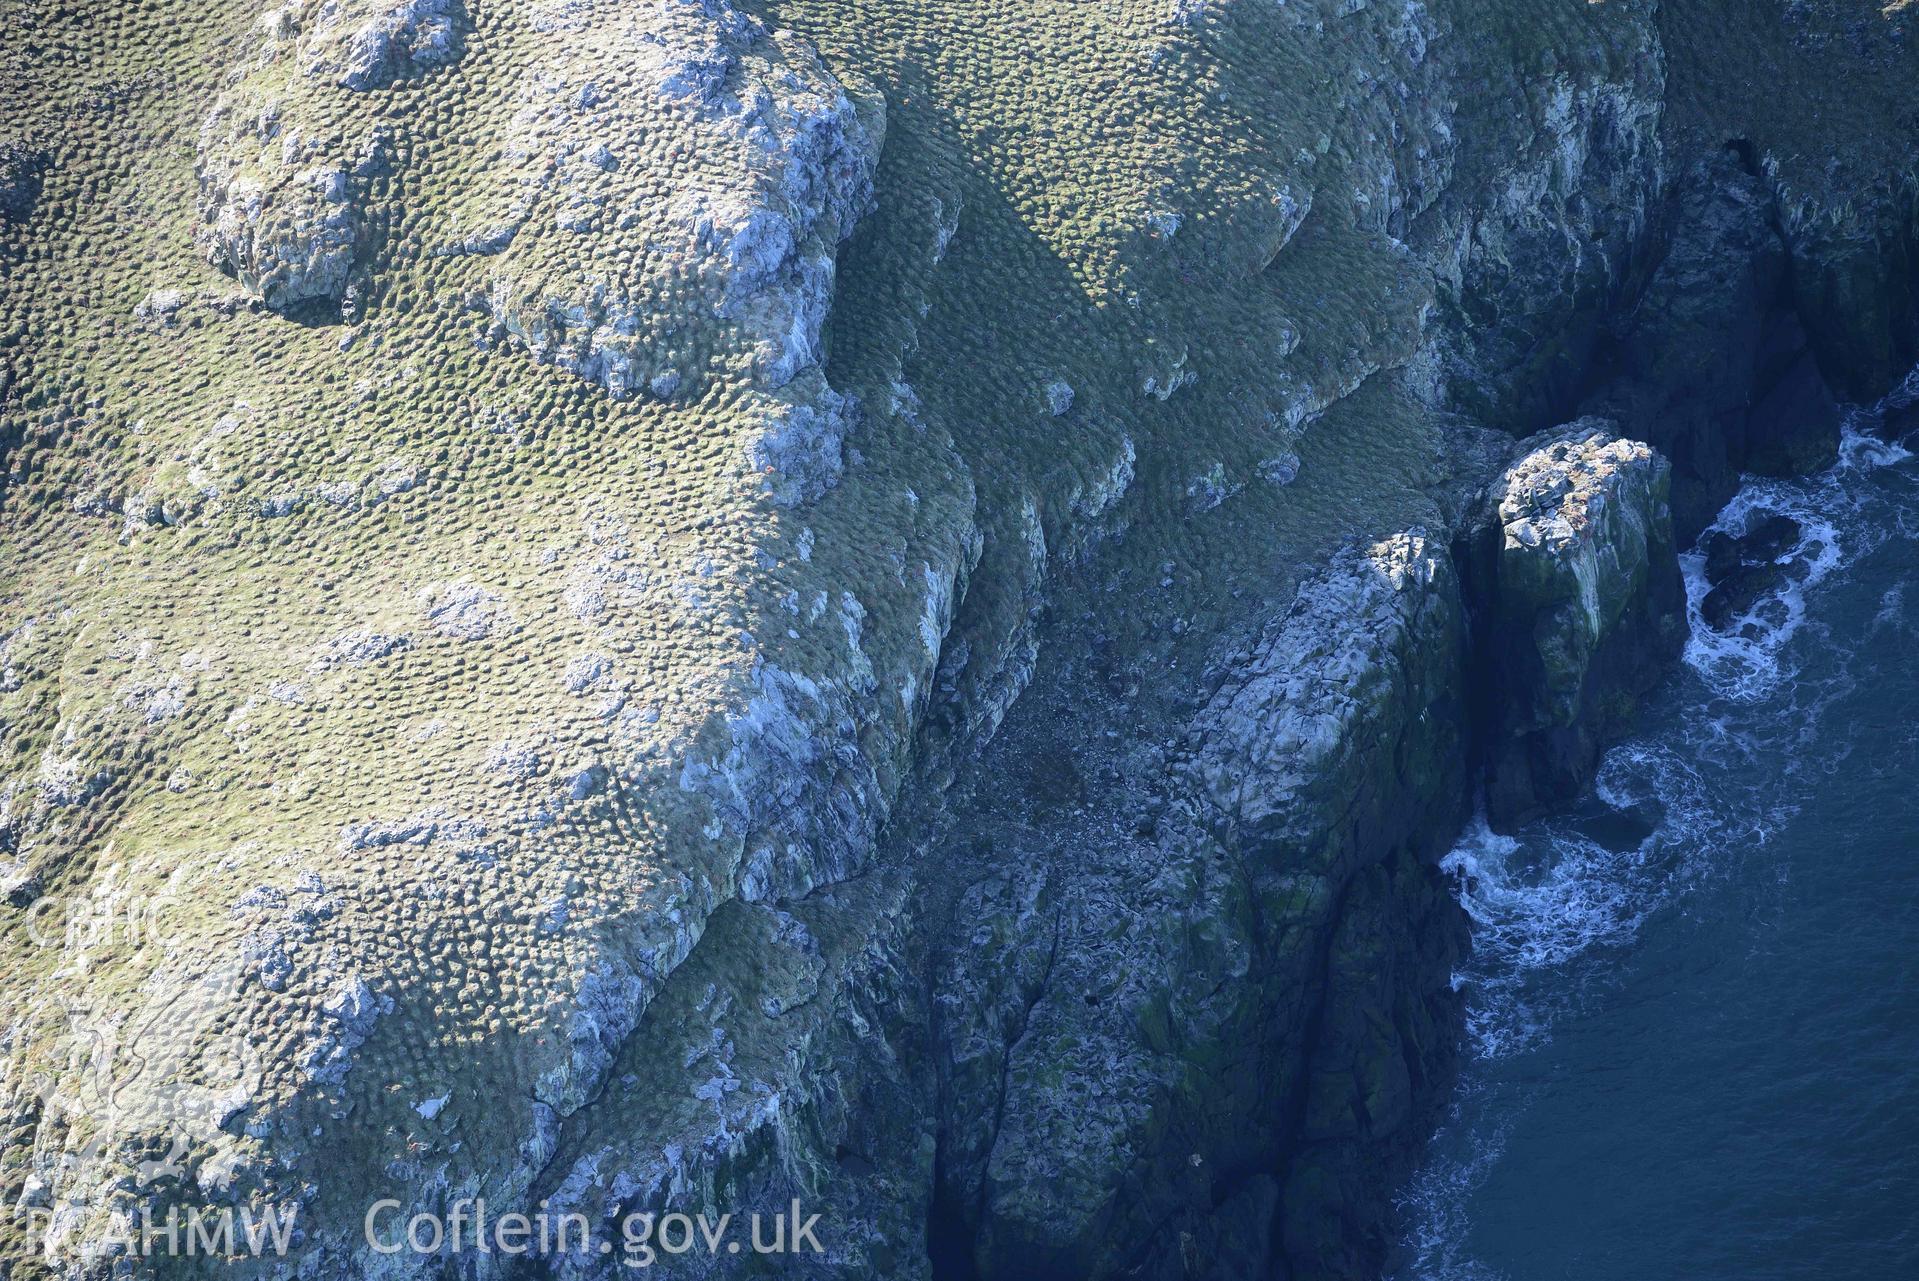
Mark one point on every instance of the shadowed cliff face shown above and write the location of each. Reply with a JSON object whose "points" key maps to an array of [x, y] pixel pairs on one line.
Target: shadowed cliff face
{"points": [[672, 607], [1574, 577]]}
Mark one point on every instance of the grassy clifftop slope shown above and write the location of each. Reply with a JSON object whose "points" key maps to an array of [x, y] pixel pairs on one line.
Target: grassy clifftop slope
{"points": [[498, 491]]}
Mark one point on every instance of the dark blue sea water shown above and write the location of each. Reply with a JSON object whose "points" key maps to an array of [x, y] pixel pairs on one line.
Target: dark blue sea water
{"points": [[1695, 1053]]}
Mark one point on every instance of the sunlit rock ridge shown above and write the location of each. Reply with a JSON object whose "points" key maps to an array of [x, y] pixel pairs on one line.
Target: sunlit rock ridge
{"points": [[646, 605]]}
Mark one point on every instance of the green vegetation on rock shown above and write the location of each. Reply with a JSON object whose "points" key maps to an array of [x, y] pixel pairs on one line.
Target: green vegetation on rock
{"points": [[677, 603]]}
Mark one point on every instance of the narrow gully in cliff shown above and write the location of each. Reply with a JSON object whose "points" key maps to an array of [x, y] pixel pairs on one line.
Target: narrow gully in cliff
{"points": [[1684, 1057]]}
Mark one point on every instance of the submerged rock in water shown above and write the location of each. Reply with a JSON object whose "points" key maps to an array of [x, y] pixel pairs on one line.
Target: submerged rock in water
{"points": [[1770, 539], [1743, 570], [1743, 587], [1574, 577]]}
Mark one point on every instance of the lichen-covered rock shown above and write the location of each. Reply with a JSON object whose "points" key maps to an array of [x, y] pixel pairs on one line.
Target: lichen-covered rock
{"points": [[770, 1067], [1131, 994], [786, 156], [364, 44], [277, 206], [800, 452], [282, 186], [289, 231], [1574, 578], [1363, 652]]}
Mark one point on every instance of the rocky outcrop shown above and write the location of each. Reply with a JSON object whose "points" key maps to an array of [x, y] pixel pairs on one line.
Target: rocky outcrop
{"points": [[1856, 274], [1233, 984], [1185, 984], [282, 187], [1711, 365], [279, 212], [785, 167], [1578, 607], [1529, 275], [1105, 998], [367, 44], [993, 796]]}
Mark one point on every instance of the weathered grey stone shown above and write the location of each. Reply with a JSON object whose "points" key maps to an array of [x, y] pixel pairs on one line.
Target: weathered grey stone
{"points": [[1574, 578], [1557, 212], [1856, 276], [787, 165], [281, 192], [799, 451], [365, 44], [1107, 997], [278, 212]]}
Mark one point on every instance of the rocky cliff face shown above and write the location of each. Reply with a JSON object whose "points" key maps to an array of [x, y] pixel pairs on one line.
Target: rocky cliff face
{"points": [[675, 607], [1575, 575]]}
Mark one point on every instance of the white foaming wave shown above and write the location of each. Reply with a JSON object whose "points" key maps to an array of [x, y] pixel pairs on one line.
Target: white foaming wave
{"points": [[1744, 661], [1435, 1201], [1748, 661], [1535, 918], [1905, 394], [1547, 907], [1542, 902], [1527, 921], [1697, 827]]}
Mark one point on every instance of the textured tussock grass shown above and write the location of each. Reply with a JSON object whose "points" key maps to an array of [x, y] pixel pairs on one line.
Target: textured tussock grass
{"points": [[1093, 194]]}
